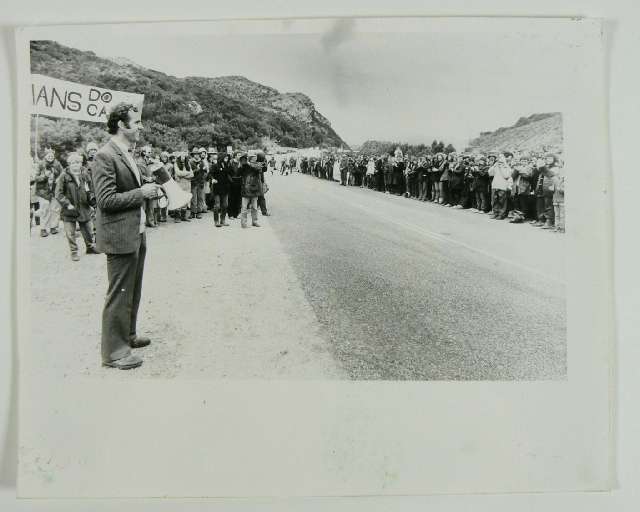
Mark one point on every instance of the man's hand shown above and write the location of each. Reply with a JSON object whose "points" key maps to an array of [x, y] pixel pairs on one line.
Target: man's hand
{"points": [[71, 207], [150, 190]]}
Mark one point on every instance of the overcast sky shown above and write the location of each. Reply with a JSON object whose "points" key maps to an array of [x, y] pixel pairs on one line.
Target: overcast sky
{"points": [[410, 87]]}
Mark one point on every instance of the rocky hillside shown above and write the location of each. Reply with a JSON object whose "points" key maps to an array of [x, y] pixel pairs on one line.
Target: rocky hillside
{"points": [[180, 113], [536, 133]]}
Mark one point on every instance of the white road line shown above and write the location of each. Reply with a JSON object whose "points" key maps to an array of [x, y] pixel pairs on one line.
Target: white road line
{"points": [[436, 236]]}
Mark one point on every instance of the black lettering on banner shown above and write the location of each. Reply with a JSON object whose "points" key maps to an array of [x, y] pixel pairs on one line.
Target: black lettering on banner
{"points": [[42, 94], [94, 94], [106, 96], [103, 112], [92, 108], [72, 102], [62, 101]]}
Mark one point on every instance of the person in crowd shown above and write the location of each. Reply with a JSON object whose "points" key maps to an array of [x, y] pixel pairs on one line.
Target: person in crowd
{"points": [[521, 188], [491, 161], [251, 189], [344, 171], [370, 172], [200, 171], [397, 178], [150, 205], [272, 164], [328, 168], [48, 172], [437, 169], [447, 172], [500, 186], [467, 198], [546, 171], [91, 149], [235, 192], [456, 180], [336, 176], [74, 192], [33, 199], [222, 181], [212, 163], [261, 162], [480, 173], [183, 176], [411, 178], [558, 196], [160, 211], [387, 170]]}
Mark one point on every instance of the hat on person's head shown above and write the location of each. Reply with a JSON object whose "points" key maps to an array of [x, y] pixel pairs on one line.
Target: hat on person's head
{"points": [[195, 150], [202, 150], [92, 145]]}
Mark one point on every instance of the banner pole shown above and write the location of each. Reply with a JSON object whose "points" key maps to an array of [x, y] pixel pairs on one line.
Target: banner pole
{"points": [[35, 142]]}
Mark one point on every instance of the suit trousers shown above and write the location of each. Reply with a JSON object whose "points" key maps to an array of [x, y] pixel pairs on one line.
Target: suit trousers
{"points": [[120, 311]]}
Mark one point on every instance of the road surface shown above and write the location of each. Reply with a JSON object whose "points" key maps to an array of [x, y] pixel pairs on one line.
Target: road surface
{"points": [[339, 283]]}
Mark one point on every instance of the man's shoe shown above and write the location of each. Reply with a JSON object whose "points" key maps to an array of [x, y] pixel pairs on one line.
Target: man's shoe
{"points": [[43, 233], [198, 216], [75, 257], [54, 231], [126, 363], [266, 214], [92, 250], [139, 341], [255, 224]]}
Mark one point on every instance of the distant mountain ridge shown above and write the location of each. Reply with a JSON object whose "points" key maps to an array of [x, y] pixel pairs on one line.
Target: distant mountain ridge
{"points": [[203, 111], [536, 133]]}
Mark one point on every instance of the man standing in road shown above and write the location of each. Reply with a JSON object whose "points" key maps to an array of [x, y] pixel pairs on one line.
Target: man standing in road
{"points": [[120, 224]]}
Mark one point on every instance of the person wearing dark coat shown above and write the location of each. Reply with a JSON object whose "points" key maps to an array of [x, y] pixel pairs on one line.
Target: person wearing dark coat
{"points": [[222, 182], [261, 161], [235, 191], [251, 189], [45, 181], [75, 194]]}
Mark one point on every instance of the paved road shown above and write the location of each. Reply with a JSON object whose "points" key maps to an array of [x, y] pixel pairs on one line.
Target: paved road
{"points": [[406, 290], [340, 283]]}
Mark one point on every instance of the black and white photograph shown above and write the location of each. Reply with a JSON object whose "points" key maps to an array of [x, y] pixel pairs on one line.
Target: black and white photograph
{"points": [[342, 240], [313, 206]]}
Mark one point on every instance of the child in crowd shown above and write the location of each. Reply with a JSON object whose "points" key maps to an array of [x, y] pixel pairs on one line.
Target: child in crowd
{"points": [[74, 193]]}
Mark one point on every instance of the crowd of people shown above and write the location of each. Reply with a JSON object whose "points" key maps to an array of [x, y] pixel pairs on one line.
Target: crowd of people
{"points": [[520, 187], [229, 185]]}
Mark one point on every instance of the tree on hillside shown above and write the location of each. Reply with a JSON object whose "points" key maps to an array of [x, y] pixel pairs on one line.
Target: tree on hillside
{"points": [[449, 149]]}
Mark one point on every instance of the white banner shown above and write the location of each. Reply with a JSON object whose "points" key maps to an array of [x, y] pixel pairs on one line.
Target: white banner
{"points": [[59, 98]]}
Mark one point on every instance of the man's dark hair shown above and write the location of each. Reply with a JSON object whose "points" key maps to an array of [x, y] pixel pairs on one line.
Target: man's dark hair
{"points": [[119, 112]]}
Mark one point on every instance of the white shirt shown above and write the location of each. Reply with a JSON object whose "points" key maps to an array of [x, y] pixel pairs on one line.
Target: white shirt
{"points": [[136, 172]]}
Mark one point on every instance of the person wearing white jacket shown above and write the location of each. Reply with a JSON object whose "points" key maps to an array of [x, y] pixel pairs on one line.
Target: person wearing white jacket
{"points": [[500, 186]]}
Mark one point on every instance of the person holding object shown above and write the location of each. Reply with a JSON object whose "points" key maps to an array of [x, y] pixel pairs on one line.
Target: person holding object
{"points": [[75, 195], [120, 234], [251, 189]]}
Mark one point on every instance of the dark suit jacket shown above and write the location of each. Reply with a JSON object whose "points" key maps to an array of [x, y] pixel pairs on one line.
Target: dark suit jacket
{"points": [[119, 199]]}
